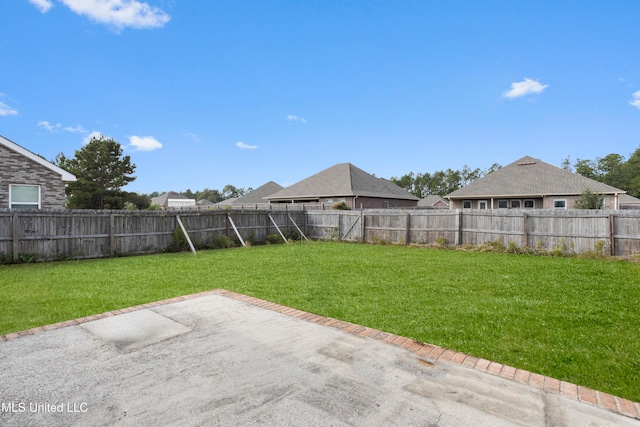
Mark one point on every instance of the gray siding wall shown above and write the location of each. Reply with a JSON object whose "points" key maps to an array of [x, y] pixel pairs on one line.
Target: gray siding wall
{"points": [[18, 169]]}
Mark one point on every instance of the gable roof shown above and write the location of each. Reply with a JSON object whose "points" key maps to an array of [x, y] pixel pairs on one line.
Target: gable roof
{"points": [[531, 177], [227, 202], [64, 175], [343, 179], [626, 199], [258, 195], [432, 200], [204, 202], [163, 199]]}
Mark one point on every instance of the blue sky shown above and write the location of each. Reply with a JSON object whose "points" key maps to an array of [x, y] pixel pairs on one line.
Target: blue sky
{"points": [[203, 94]]}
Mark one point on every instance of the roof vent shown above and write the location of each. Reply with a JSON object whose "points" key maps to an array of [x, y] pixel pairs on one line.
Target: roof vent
{"points": [[526, 163]]}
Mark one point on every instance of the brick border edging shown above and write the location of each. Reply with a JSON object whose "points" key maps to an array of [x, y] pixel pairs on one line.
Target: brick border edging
{"points": [[434, 353]]}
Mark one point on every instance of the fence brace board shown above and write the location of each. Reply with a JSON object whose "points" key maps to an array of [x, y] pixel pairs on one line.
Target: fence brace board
{"points": [[278, 228], [236, 230], [184, 231]]}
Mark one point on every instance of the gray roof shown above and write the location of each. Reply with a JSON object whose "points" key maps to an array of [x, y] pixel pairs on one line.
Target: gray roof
{"points": [[343, 179], [626, 199], [258, 195], [227, 202], [64, 175], [432, 200], [205, 202], [531, 177], [162, 199]]}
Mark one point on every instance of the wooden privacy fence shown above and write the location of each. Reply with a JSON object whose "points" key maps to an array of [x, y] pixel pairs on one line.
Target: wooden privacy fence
{"points": [[65, 234], [579, 231]]}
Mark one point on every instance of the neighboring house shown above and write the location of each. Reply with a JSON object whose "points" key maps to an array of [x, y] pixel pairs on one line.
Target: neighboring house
{"points": [[346, 183], [226, 202], [629, 202], [529, 183], [27, 181], [205, 203], [173, 200], [433, 201], [258, 195]]}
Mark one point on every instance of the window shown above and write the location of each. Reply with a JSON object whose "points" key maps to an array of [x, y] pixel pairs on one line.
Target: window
{"points": [[559, 204], [329, 201], [503, 204], [466, 204], [515, 204], [482, 204], [24, 196], [386, 204], [529, 204]]}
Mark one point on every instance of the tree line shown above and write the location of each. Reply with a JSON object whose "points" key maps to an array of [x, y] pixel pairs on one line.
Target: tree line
{"points": [[440, 183], [612, 169], [102, 171]]}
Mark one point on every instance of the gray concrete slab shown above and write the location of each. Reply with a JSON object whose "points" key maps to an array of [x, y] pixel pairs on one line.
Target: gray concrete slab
{"points": [[214, 360]]}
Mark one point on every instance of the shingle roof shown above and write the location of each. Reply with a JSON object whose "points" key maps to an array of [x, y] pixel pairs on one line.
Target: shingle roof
{"points": [[258, 195], [227, 202], [64, 175], [626, 199], [162, 199], [531, 177], [343, 179], [432, 200]]}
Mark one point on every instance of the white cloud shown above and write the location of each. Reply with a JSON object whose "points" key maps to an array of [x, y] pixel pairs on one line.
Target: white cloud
{"points": [[49, 126], [293, 118], [89, 137], [77, 129], [120, 13], [56, 127], [244, 146], [192, 136], [42, 5], [523, 88], [5, 110], [636, 99], [145, 143]]}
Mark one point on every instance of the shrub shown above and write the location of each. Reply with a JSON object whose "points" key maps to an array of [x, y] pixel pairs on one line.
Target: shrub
{"points": [[222, 242], [340, 206], [273, 238], [178, 242]]}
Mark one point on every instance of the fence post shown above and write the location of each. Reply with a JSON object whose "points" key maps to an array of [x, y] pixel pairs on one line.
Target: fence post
{"points": [[612, 237], [408, 227], [339, 226], [525, 230], [112, 235], [16, 242], [459, 227], [362, 227]]}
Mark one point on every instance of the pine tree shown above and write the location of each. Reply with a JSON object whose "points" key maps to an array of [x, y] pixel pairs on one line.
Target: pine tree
{"points": [[101, 172]]}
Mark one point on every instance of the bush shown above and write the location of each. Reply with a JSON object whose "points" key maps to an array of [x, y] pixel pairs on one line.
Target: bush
{"points": [[274, 238], [222, 242], [178, 242], [340, 206]]}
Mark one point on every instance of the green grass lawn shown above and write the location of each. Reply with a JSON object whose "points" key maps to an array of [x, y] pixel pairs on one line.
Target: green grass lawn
{"points": [[572, 319]]}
